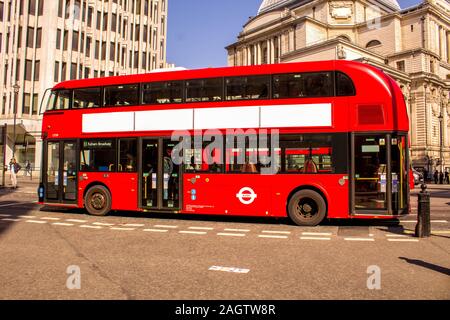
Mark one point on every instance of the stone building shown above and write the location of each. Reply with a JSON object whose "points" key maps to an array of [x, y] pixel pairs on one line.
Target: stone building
{"points": [[43, 42], [412, 45]]}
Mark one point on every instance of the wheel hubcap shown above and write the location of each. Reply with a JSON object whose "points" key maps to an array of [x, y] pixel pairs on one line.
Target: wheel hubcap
{"points": [[98, 201], [307, 208]]}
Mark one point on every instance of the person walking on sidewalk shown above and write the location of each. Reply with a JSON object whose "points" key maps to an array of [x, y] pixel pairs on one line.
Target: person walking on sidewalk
{"points": [[14, 167], [446, 177], [436, 177]]}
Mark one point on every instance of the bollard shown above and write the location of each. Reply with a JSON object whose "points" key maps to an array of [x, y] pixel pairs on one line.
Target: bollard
{"points": [[423, 227]]}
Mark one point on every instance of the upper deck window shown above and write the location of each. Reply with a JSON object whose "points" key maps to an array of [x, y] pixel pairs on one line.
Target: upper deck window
{"points": [[60, 100], [125, 95], [204, 90], [344, 85], [302, 85], [162, 92], [247, 88], [86, 98]]}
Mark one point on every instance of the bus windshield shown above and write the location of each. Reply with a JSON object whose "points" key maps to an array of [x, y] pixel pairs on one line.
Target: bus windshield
{"points": [[59, 100]]}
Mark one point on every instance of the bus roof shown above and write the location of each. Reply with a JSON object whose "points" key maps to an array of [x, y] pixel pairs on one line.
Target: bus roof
{"points": [[329, 65]]}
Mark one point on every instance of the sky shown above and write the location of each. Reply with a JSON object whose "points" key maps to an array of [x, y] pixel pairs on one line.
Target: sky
{"points": [[199, 30]]}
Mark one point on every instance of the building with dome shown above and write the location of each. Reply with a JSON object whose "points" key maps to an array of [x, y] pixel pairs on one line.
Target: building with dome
{"points": [[411, 44]]}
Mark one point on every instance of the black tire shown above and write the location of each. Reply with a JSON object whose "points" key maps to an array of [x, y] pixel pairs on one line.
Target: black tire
{"points": [[98, 201], [307, 208]]}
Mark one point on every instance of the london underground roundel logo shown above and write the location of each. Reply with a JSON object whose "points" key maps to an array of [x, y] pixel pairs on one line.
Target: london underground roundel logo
{"points": [[246, 195]]}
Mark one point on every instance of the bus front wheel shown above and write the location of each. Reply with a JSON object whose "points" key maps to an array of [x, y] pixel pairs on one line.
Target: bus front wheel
{"points": [[307, 208], [98, 201]]}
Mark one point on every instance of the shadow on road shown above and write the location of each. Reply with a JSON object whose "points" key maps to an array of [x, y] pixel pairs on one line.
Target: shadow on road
{"points": [[427, 265]]}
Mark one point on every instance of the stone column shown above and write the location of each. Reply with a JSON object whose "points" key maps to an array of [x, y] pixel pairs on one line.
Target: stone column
{"points": [[272, 51], [259, 53]]}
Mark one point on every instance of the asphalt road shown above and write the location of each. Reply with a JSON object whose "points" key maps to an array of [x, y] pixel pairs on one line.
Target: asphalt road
{"points": [[131, 256]]}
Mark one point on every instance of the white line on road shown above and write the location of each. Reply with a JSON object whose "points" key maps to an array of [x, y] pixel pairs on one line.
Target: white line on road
{"points": [[5, 215], [315, 238], [359, 239], [317, 233], [15, 204], [76, 220], [12, 219], [122, 229], [229, 269], [442, 232], [432, 221], [396, 235], [237, 230], [103, 224], [155, 230], [62, 224], [27, 217], [223, 234], [36, 221], [50, 218], [90, 227], [134, 225], [276, 232], [192, 232], [201, 228], [165, 226], [403, 240], [271, 236]]}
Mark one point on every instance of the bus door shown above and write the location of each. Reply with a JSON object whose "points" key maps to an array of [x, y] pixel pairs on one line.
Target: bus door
{"points": [[379, 174], [160, 176], [60, 178]]}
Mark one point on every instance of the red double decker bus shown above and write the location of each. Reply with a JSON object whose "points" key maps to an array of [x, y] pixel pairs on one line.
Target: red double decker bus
{"points": [[333, 133]]}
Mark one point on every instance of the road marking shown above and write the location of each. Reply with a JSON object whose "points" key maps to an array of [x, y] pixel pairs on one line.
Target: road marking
{"points": [[237, 230], [27, 217], [229, 269], [62, 224], [15, 204], [192, 232], [433, 221], [5, 215], [90, 227], [122, 229], [271, 236], [442, 232], [359, 239], [201, 228], [103, 224], [231, 234], [36, 221], [403, 240], [11, 219], [155, 230], [317, 233], [315, 238], [408, 232], [134, 225], [396, 235], [276, 232], [165, 226], [76, 220], [50, 218]]}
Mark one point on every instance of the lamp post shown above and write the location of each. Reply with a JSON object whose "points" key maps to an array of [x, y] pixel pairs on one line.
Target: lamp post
{"points": [[16, 88], [441, 158]]}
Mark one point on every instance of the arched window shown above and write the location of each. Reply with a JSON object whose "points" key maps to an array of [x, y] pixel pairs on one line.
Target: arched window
{"points": [[373, 43], [344, 37]]}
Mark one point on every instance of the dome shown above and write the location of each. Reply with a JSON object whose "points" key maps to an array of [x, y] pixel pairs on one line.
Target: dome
{"points": [[268, 5]]}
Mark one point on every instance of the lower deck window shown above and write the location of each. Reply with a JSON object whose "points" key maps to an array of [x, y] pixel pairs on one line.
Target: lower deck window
{"points": [[98, 155]]}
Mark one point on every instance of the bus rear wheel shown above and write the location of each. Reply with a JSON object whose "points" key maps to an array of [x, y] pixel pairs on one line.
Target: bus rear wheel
{"points": [[307, 208], [98, 201]]}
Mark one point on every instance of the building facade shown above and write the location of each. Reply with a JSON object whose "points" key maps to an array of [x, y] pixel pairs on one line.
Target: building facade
{"points": [[412, 45], [43, 42]]}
